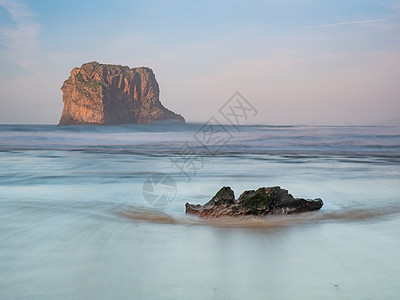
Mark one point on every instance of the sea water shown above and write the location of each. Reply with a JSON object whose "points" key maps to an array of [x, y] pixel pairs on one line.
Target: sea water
{"points": [[86, 212]]}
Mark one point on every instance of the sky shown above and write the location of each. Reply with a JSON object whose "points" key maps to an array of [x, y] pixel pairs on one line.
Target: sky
{"points": [[296, 61]]}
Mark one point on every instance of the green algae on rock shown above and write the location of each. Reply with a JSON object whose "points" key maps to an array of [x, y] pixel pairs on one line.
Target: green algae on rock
{"points": [[260, 202]]}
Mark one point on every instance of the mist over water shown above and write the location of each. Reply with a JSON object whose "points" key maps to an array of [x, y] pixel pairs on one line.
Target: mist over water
{"points": [[75, 223]]}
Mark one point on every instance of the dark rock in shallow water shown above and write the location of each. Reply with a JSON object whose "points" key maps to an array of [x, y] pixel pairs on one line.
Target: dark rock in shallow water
{"points": [[264, 201]]}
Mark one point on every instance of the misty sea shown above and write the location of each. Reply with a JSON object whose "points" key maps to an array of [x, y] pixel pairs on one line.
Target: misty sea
{"points": [[98, 212]]}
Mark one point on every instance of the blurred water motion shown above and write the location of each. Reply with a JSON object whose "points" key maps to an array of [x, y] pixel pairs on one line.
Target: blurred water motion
{"points": [[75, 225]]}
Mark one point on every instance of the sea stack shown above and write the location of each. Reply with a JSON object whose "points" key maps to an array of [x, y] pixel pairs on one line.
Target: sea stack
{"points": [[112, 94]]}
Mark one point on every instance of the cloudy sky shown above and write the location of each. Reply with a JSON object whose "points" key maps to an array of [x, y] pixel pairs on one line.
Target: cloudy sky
{"points": [[296, 61]]}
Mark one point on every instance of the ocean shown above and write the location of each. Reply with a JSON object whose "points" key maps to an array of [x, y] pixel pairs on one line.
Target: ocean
{"points": [[98, 212]]}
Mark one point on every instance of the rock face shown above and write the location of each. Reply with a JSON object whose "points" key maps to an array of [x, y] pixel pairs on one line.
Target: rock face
{"points": [[111, 94], [264, 201]]}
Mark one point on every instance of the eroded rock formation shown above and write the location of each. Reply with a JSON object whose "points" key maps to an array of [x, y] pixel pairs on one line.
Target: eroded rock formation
{"points": [[264, 201], [112, 94]]}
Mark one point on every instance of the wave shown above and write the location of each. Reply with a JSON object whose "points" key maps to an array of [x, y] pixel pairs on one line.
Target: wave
{"points": [[169, 139], [272, 221]]}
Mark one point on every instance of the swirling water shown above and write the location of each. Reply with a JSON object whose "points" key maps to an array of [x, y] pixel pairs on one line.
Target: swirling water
{"points": [[75, 223]]}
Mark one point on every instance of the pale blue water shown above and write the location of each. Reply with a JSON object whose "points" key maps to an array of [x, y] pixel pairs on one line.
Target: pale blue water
{"points": [[74, 223]]}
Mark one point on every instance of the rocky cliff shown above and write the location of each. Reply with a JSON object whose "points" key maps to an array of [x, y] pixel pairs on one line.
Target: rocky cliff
{"points": [[112, 94]]}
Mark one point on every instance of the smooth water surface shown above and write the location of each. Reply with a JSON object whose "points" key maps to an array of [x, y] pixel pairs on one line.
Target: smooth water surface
{"points": [[74, 222]]}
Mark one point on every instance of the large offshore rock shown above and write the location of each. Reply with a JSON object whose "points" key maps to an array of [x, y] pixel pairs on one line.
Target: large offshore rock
{"points": [[112, 94], [264, 201]]}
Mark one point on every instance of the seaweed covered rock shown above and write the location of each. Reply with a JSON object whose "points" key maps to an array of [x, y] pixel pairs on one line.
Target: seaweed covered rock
{"points": [[260, 202]]}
